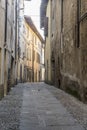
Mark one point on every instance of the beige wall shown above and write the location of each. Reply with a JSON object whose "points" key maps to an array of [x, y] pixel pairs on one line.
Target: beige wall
{"points": [[33, 53], [2, 26], [42, 76], [21, 44], [28, 53], [48, 46], [7, 47]]}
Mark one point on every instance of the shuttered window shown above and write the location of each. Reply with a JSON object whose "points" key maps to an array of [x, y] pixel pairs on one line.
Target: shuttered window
{"points": [[46, 26]]}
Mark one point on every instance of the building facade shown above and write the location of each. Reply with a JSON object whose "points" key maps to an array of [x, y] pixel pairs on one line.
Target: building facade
{"points": [[34, 51], [42, 67], [7, 45], [46, 10], [2, 27], [11, 44], [68, 45], [21, 47]]}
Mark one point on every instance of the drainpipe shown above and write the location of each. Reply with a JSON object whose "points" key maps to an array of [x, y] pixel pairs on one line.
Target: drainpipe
{"points": [[16, 40], [16, 30], [6, 9], [61, 16], [78, 22], [33, 55]]}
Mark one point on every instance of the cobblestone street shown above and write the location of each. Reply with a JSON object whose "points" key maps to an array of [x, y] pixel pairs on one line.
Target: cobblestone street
{"points": [[38, 106]]}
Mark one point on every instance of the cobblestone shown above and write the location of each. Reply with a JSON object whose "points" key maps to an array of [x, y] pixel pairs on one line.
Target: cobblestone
{"points": [[41, 110], [38, 106], [10, 109], [77, 108]]}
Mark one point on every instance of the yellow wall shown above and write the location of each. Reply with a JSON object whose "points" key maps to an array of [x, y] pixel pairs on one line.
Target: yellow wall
{"points": [[48, 46], [33, 48]]}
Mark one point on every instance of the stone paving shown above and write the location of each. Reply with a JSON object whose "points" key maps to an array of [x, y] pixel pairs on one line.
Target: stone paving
{"points": [[34, 106], [42, 111], [10, 108]]}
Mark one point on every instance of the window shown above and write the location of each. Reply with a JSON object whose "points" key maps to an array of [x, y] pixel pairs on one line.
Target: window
{"points": [[30, 54], [38, 58], [27, 32], [27, 54], [33, 55], [46, 26]]}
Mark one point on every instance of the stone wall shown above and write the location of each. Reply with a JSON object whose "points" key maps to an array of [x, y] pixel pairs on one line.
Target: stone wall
{"points": [[55, 40], [1, 91], [69, 46], [83, 45], [7, 45], [2, 23]]}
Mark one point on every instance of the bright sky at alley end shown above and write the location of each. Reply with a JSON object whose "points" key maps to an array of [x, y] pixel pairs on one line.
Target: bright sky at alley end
{"points": [[32, 8]]}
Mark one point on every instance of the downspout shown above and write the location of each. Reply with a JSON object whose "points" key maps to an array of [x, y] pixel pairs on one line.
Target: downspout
{"points": [[16, 31], [16, 41], [78, 23], [33, 55], [6, 9], [61, 16]]}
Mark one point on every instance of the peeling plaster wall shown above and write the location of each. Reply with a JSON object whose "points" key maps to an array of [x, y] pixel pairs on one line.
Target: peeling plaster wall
{"points": [[70, 60]]}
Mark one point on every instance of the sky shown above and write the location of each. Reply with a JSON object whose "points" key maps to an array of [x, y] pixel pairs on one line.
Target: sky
{"points": [[32, 8]]}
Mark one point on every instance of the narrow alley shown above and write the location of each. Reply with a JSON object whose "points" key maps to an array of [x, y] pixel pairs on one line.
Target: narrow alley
{"points": [[43, 65], [38, 106]]}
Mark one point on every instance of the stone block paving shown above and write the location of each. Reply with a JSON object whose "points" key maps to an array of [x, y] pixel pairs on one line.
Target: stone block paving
{"points": [[10, 108], [38, 106], [42, 111]]}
